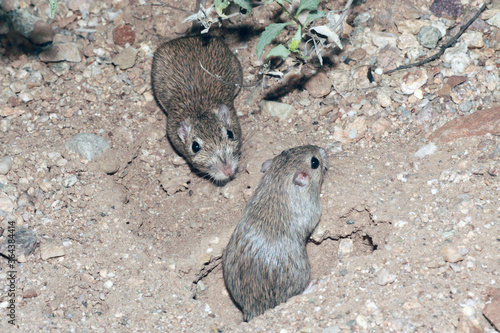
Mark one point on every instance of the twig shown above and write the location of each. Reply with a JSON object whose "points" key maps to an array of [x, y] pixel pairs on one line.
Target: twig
{"points": [[218, 77], [450, 43], [290, 15], [342, 17]]}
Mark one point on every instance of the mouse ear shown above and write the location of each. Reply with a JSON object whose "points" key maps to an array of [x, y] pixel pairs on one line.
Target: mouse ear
{"points": [[183, 131], [224, 114], [301, 178], [265, 166]]}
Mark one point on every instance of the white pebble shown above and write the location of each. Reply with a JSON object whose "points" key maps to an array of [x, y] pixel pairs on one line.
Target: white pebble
{"points": [[5, 165], [108, 284], [428, 149], [384, 277]]}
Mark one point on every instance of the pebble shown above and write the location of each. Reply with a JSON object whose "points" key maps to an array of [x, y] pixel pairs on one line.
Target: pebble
{"points": [[5, 165], [61, 52], [451, 8], [123, 34], [384, 277], [108, 284], [413, 80], [380, 126], [478, 123], [30, 293], [126, 58], [495, 20], [473, 39], [361, 321], [426, 150], [383, 39], [451, 254], [277, 109], [406, 41], [51, 250], [492, 311], [429, 36], [70, 181], [346, 246], [25, 241], [87, 145], [457, 57], [7, 204], [319, 85], [172, 183]]}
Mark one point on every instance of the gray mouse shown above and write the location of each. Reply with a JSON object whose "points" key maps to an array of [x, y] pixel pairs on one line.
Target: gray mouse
{"points": [[265, 262], [195, 80]]}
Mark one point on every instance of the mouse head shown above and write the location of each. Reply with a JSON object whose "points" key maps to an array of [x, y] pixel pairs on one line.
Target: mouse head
{"points": [[300, 167], [212, 143]]}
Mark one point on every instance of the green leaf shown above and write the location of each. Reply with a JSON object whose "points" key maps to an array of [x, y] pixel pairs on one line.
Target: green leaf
{"points": [[272, 31], [308, 5], [294, 43], [314, 15], [245, 4], [53, 8], [220, 5], [278, 51]]}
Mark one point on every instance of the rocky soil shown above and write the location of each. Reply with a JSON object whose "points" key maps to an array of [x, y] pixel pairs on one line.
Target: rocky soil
{"points": [[114, 232]]}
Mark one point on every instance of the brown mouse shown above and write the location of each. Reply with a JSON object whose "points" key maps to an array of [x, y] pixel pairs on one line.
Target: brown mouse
{"points": [[265, 262], [202, 124]]}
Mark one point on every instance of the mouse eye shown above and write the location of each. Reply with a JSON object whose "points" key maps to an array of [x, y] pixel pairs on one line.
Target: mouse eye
{"points": [[314, 163], [230, 135], [195, 147]]}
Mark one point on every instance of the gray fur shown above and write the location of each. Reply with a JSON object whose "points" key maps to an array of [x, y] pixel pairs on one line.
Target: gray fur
{"points": [[189, 94], [265, 262]]}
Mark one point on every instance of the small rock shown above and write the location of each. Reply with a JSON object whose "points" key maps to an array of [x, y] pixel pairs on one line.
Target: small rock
{"points": [[346, 247], [61, 52], [479, 123], [450, 8], [473, 39], [108, 284], [380, 126], [10, 5], [87, 145], [451, 254], [457, 57], [361, 321], [124, 34], [492, 312], [352, 132], [126, 58], [406, 41], [319, 85], [495, 20], [70, 181], [7, 204], [25, 200], [5, 165], [413, 80], [51, 250], [358, 54], [428, 149], [384, 277], [276, 109], [25, 241], [383, 39], [429, 36], [200, 286], [30, 293]]}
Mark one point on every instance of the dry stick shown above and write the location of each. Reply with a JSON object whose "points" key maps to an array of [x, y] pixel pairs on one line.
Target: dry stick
{"points": [[444, 47]]}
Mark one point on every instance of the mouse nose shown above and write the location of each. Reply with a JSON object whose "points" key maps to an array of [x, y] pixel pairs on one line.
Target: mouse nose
{"points": [[227, 170]]}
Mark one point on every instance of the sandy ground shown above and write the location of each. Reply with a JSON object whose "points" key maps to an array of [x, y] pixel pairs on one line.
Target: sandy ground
{"points": [[134, 238]]}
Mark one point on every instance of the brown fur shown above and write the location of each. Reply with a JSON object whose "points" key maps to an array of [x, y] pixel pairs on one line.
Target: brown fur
{"points": [[265, 262], [191, 96]]}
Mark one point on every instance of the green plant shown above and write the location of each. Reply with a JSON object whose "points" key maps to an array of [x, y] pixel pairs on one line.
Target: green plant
{"points": [[317, 38]]}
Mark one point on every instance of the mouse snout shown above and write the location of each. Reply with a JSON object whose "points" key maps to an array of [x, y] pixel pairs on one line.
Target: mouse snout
{"points": [[227, 169]]}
